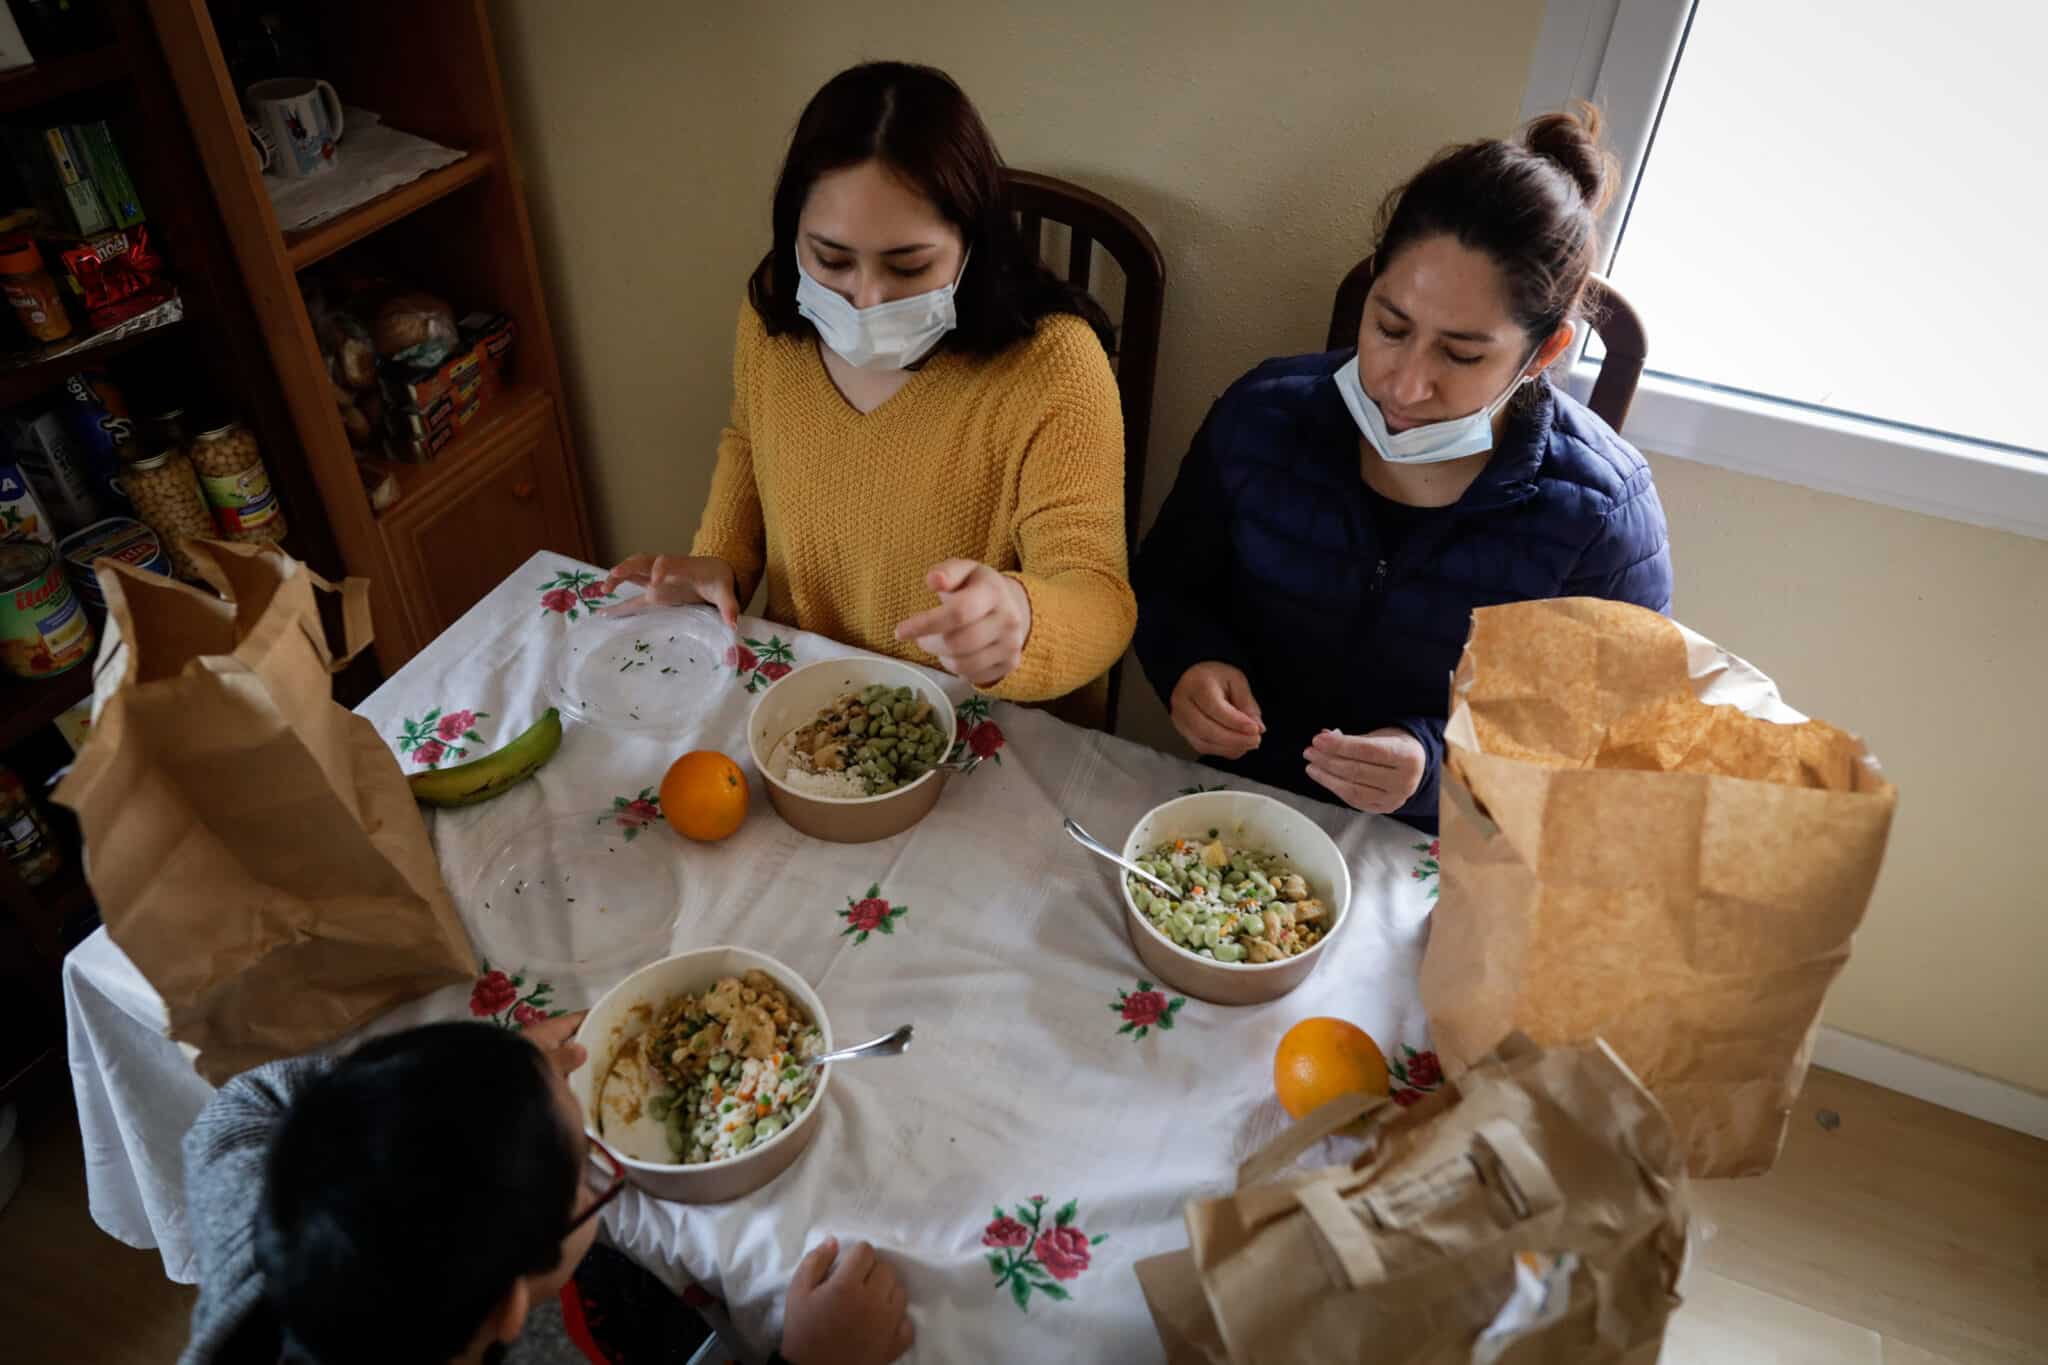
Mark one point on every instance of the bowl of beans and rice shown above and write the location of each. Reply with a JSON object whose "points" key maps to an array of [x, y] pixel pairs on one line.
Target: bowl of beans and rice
{"points": [[1263, 891], [878, 773], [702, 1058]]}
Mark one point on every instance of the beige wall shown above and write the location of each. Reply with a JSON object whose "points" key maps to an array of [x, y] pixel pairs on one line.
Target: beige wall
{"points": [[1255, 148], [1924, 636]]}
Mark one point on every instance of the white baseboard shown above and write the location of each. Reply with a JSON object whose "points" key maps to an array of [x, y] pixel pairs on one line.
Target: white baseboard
{"points": [[1951, 1087]]}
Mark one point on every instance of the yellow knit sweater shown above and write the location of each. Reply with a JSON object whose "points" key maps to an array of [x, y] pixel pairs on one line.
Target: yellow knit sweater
{"points": [[1015, 461]]}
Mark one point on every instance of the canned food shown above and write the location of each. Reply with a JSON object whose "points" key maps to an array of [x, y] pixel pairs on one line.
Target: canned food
{"points": [[24, 836], [115, 538], [237, 486], [98, 417], [43, 629]]}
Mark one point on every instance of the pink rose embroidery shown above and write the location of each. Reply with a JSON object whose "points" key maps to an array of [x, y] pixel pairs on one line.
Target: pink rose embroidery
{"points": [[1144, 1007], [526, 1015], [429, 753], [1034, 1253], [774, 670], [1006, 1232], [741, 658], [1405, 1097], [591, 592], [494, 991], [985, 739], [1436, 848], [1424, 1070], [870, 914], [455, 724], [1064, 1252], [559, 599], [641, 812]]}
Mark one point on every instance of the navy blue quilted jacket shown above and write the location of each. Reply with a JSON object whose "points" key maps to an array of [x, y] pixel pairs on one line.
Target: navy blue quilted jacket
{"points": [[1265, 556]]}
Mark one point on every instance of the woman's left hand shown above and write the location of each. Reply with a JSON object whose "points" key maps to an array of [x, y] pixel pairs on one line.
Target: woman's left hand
{"points": [[979, 628], [1374, 772]]}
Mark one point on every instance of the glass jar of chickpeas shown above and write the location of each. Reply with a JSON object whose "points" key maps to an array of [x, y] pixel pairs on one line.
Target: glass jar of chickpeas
{"points": [[168, 500], [230, 469]]}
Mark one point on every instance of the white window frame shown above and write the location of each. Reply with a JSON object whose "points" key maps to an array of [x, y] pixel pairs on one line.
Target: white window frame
{"points": [[1619, 54]]}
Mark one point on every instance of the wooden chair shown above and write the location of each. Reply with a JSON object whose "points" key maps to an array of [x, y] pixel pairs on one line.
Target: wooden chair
{"points": [[1619, 325], [1094, 221]]}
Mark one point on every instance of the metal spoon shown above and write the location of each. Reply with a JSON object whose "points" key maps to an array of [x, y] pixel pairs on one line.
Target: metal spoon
{"points": [[888, 1045], [1095, 845]]}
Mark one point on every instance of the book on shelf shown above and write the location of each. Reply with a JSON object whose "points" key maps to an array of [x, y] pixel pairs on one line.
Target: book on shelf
{"points": [[109, 172], [87, 210]]}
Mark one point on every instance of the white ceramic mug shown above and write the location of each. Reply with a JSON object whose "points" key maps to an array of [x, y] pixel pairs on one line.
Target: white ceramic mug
{"points": [[302, 117]]}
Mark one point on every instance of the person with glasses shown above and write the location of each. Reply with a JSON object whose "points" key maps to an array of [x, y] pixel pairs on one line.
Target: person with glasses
{"points": [[426, 1199]]}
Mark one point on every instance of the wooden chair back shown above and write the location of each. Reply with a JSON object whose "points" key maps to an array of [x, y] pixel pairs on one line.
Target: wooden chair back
{"points": [[1611, 315], [1093, 221]]}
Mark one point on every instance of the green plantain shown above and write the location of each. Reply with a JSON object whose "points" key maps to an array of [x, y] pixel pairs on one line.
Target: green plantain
{"points": [[495, 773]]}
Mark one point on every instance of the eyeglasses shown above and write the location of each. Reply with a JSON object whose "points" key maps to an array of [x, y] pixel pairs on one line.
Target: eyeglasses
{"points": [[604, 1175]]}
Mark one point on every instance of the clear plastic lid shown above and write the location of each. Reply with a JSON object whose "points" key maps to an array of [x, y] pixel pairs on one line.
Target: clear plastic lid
{"points": [[590, 896], [656, 671]]}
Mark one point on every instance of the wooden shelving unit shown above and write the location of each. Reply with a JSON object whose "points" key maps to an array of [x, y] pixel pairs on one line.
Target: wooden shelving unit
{"points": [[27, 706], [24, 375], [456, 464], [25, 87], [322, 240]]}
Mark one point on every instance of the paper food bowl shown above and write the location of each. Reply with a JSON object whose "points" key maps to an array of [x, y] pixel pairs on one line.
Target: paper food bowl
{"points": [[631, 1007], [795, 701], [1248, 820]]}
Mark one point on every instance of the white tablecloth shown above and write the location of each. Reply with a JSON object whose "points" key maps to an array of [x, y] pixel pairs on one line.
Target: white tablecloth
{"points": [[1010, 960]]}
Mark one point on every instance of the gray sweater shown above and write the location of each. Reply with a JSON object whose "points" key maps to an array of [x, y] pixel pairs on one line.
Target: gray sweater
{"points": [[224, 1156]]}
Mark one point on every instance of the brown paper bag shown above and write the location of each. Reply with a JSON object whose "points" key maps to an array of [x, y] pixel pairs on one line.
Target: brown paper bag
{"points": [[1642, 843], [1556, 1162], [253, 846]]}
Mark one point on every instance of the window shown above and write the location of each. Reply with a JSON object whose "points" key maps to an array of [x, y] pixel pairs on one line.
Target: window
{"points": [[1828, 220]]}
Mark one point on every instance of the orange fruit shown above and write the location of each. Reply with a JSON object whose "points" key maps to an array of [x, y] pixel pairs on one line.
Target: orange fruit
{"points": [[704, 796], [1322, 1058]]}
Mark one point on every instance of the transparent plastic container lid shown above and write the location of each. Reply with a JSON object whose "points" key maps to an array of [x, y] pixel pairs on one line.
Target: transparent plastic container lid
{"points": [[591, 894], [655, 671]]}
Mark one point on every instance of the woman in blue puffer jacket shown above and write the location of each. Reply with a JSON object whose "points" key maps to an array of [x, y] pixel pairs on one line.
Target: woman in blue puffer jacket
{"points": [[1307, 587]]}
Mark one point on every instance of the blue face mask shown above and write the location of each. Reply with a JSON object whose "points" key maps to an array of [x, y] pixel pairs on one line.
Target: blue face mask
{"points": [[1432, 443], [888, 336]]}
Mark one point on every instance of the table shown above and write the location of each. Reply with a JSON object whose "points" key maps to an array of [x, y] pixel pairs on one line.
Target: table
{"points": [[1025, 1094]]}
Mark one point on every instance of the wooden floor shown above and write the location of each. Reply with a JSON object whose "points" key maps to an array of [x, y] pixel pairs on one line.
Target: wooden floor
{"points": [[1904, 1235], [54, 1259]]}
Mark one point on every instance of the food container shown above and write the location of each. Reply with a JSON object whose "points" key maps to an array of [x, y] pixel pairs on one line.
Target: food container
{"points": [[230, 468], [43, 629], [167, 496], [21, 513], [115, 538], [24, 835], [795, 701], [56, 467], [630, 1007], [31, 291], [1250, 820]]}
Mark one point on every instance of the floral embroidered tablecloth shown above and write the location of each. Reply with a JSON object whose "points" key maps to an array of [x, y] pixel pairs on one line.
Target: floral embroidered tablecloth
{"points": [[1058, 1107]]}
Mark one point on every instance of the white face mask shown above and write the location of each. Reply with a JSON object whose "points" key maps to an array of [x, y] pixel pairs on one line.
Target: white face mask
{"points": [[888, 336], [1432, 443]]}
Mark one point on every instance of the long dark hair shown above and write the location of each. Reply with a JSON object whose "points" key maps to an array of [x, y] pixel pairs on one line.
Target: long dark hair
{"points": [[412, 1184], [919, 124], [1533, 205]]}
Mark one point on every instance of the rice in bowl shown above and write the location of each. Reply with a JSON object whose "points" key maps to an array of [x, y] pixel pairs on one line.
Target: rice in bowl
{"points": [[713, 1075]]}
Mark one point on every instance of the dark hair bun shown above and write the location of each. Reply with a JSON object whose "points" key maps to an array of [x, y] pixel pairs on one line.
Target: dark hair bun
{"points": [[1570, 139]]}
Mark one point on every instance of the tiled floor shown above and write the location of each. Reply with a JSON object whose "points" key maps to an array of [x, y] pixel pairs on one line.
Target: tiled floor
{"points": [[1905, 1235]]}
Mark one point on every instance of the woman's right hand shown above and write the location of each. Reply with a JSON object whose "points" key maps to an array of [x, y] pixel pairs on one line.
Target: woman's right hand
{"points": [[845, 1310], [1214, 710], [675, 581]]}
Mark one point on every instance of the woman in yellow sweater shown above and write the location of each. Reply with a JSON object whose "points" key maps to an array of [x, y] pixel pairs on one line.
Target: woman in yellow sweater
{"points": [[925, 452]]}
